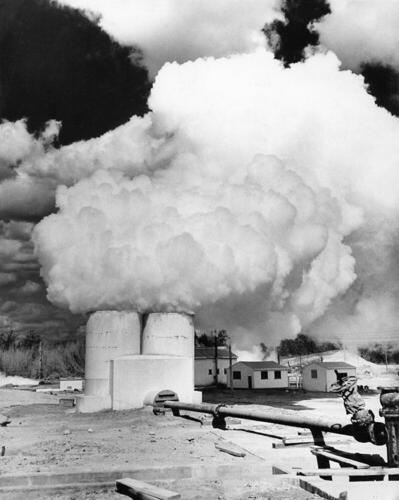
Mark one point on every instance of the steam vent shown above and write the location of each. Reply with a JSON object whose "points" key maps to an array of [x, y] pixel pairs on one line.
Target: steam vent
{"points": [[130, 357]]}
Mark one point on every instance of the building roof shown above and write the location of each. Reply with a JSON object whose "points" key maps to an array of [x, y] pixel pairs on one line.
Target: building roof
{"points": [[330, 365], [209, 353], [264, 365]]}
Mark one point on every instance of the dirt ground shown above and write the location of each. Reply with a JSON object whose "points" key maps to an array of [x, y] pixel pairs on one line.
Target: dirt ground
{"points": [[46, 437]]}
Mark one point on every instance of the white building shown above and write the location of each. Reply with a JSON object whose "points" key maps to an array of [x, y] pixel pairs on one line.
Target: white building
{"points": [[205, 365], [320, 376], [71, 384], [259, 375]]}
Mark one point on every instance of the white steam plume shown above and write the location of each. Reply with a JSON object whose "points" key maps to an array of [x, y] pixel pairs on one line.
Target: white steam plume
{"points": [[175, 30], [215, 219], [22, 196], [311, 114], [361, 31]]}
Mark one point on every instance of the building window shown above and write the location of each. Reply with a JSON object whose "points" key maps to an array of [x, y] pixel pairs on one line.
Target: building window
{"points": [[313, 373], [237, 375], [209, 372], [277, 374], [217, 371], [343, 374], [264, 375], [225, 371]]}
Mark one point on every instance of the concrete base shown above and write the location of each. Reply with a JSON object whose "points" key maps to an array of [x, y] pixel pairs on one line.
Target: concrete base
{"points": [[90, 404], [135, 376], [197, 397]]}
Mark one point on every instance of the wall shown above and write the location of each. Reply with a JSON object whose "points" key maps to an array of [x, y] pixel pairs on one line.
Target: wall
{"points": [[245, 373], [332, 378], [70, 384], [108, 334], [271, 382], [202, 367], [126, 359], [169, 333], [326, 377], [314, 384], [136, 376]]}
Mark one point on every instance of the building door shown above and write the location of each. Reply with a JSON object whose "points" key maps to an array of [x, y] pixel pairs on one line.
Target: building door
{"points": [[249, 382]]}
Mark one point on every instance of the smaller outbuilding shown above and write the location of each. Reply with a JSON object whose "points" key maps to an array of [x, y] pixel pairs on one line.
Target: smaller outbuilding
{"points": [[208, 367], [320, 376], [71, 384], [259, 375]]}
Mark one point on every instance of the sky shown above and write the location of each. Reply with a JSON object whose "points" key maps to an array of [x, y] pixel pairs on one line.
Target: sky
{"points": [[278, 183]]}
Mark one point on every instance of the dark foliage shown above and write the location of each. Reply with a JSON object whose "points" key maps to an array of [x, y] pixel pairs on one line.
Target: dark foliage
{"points": [[30, 355], [208, 339], [383, 84], [30, 340], [290, 37], [380, 353], [7, 339], [302, 345], [55, 63]]}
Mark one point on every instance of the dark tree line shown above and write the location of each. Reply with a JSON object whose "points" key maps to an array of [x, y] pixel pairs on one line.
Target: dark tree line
{"points": [[56, 63], [380, 353], [303, 344], [208, 339]]}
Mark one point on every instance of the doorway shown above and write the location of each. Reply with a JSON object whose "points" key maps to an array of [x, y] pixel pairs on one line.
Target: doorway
{"points": [[249, 382]]}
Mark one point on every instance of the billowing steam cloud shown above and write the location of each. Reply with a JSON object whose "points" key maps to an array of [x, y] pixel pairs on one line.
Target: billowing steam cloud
{"points": [[172, 30], [361, 31], [365, 38], [246, 196]]}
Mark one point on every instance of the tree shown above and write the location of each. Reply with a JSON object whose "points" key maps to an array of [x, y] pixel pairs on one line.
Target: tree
{"points": [[7, 339], [303, 344], [208, 339], [30, 340]]}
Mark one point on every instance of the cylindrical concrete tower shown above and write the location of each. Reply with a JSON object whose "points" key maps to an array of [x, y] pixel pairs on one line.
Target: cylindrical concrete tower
{"points": [[109, 334], [169, 334]]}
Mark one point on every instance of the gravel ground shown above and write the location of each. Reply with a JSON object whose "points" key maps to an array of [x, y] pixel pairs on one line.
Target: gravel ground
{"points": [[45, 437]]}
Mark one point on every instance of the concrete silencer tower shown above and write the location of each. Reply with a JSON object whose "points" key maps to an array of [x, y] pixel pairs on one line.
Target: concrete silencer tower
{"points": [[109, 334], [129, 357]]}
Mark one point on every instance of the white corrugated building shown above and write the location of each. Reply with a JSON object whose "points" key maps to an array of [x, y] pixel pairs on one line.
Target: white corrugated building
{"points": [[205, 365], [320, 376], [259, 375]]}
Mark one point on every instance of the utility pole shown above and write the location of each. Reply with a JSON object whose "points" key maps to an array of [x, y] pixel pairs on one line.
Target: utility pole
{"points": [[41, 359], [230, 368], [216, 359], [386, 358]]}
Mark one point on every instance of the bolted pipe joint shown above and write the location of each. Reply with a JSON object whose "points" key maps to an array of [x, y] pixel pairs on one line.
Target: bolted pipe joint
{"points": [[389, 399], [219, 421]]}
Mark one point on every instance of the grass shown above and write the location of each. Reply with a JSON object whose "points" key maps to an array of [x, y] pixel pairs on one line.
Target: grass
{"points": [[60, 360]]}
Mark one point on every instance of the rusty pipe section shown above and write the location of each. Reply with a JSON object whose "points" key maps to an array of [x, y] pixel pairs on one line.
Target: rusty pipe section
{"points": [[272, 415]]}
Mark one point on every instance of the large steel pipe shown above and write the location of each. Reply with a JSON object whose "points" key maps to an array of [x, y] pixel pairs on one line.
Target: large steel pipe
{"points": [[375, 433], [270, 415]]}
